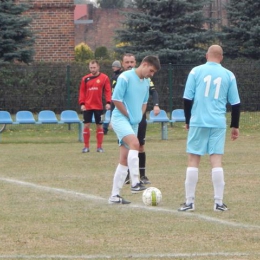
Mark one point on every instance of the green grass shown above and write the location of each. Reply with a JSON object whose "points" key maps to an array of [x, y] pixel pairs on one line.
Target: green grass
{"points": [[54, 199]]}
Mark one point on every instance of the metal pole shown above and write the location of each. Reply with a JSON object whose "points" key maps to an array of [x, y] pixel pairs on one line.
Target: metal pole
{"points": [[68, 86], [170, 88], [68, 90]]}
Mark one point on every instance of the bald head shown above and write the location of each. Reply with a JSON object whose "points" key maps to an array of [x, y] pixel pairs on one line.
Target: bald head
{"points": [[215, 50], [214, 54]]}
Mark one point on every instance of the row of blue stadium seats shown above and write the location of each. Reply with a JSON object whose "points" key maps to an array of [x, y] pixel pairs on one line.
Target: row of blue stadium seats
{"points": [[44, 117], [177, 115], [71, 117]]}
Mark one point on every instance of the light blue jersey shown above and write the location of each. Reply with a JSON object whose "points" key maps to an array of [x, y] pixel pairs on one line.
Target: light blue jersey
{"points": [[211, 87], [133, 92]]}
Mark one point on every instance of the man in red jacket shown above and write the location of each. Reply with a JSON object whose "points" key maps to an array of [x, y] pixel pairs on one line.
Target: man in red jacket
{"points": [[91, 90]]}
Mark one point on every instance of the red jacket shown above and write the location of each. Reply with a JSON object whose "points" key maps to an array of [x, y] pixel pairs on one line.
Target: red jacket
{"points": [[91, 91]]}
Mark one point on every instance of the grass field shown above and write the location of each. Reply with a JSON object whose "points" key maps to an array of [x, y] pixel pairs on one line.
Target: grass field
{"points": [[54, 199]]}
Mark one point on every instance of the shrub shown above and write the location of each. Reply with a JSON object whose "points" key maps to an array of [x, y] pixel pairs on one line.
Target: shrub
{"points": [[101, 53], [83, 52]]}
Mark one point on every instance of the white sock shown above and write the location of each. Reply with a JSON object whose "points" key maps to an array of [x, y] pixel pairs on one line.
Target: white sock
{"points": [[192, 175], [218, 184], [133, 164], [119, 179]]}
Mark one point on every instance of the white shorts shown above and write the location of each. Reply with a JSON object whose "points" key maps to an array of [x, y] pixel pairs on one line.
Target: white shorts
{"points": [[122, 127], [202, 140]]}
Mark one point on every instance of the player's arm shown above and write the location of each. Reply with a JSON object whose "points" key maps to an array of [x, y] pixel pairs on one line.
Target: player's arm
{"points": [[144, 108], [187, 111], [107, 93], [154, 94], [82, 92], [121, 107], [188, 97], [235, 116], [113, 84], [234, 100], [119, 93]]}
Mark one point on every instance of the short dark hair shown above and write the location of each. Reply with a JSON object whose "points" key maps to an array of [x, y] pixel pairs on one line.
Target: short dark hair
{"points": [[93, 62], [128, 55], [152, 60]]}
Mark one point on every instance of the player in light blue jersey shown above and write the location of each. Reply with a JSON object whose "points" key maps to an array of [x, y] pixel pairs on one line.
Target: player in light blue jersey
{"points": [[130, 98], [208, 89]]}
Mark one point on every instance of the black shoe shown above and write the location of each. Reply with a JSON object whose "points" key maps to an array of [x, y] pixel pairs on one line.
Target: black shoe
{"points": [[138, 188], [117, 200], [222, 207], [145, 180], [185, 207]]}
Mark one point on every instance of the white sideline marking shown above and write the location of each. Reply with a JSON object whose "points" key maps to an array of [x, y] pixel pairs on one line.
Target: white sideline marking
{"points": [[49, 189], [142, 207], [156, 256]]}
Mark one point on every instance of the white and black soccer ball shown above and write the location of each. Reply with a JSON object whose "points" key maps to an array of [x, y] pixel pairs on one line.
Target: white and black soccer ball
{"points": [[152, 196]]}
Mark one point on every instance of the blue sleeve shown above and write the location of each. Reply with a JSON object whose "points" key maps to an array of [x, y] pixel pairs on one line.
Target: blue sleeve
{"points": [[147, 94], [190, 86], [120, 89], [233, 96]]}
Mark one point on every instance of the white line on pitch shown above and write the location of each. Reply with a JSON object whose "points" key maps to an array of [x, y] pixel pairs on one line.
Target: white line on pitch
{"points": [[149, 256], [142, 207]]}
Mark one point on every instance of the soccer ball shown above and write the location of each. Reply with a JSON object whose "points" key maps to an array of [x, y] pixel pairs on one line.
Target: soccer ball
{"points": [[152, 196]]}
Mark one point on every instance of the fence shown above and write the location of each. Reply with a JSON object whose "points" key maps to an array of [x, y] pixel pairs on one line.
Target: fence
{"points": [[55, 86]]}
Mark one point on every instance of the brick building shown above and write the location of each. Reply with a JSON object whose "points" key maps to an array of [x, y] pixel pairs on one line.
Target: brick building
{"points": [[61, 24], [53, 24], [98, 27]]}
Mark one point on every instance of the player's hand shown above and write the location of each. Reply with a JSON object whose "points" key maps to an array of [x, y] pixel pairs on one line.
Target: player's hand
{"points": [[156, 110], [187, 126], [234, 133], [83, 108], [108, 106]]}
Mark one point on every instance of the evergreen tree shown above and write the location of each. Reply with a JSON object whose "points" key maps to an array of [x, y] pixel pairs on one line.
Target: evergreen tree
{"points": [[242, 34], [16, 39], [175, 30]]}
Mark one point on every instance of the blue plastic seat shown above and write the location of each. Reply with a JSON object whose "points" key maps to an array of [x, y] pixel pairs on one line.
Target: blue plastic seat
{"points": [[177, 115], [47, 117], [5, 118], [69, 116], [25, 117], [161, 117]]}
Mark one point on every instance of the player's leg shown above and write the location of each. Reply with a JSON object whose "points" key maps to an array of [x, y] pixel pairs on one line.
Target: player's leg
{"points": [[127, 136], [99, 130], [119, 178], [142, 155], [122, 128], [132, 143], [196, 146], [216, 150], [87, 119], [105, 128], [192, 175]]}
